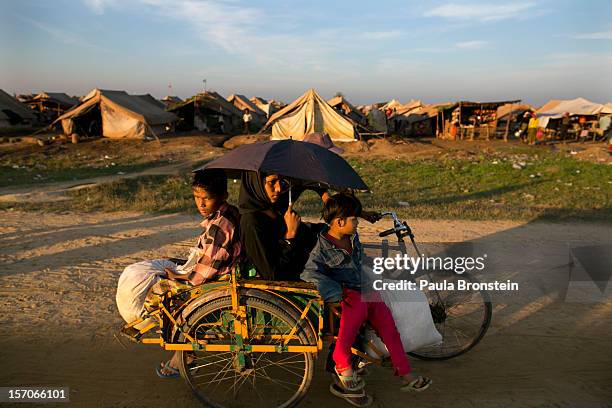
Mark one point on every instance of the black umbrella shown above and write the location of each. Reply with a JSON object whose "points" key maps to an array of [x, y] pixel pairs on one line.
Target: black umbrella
{"points": [[306, 163]]}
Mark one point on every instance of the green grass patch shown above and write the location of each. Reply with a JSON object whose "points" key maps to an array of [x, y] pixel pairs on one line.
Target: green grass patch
{"points": [[550, 186], [30, 176]]}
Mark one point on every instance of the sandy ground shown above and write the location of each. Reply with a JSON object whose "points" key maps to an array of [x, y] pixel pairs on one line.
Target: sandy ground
{"points": [[59, 272]]}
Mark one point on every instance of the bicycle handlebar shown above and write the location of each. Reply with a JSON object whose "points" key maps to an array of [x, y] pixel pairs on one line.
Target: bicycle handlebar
{"points": [[398, 226], [387, 232]]}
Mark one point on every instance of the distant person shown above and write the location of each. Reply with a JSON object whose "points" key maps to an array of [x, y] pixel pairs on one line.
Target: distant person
{"points": [[522, 131], [142, 285], [246, 117], [221, 124], [564, 125], [532, 129]]}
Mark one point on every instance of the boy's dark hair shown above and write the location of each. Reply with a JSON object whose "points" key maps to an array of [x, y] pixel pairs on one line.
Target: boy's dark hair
{"points": [[341, 205], [212, 180]]}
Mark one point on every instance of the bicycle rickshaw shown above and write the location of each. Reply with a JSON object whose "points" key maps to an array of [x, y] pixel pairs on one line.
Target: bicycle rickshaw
{"points": [[251, 342]]}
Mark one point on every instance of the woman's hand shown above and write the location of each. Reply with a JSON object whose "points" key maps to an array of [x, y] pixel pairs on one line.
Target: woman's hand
{"points": [[292, 220]]}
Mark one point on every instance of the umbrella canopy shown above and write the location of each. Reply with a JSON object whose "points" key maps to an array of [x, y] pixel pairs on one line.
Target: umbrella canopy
{"points": [[305, 163]]}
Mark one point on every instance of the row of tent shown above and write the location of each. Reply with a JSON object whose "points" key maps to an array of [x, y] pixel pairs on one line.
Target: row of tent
{"points": [[116, 114]]}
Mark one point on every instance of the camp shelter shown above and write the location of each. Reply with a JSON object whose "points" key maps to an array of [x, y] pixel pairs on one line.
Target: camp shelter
{"points": [[52, 104], [116, 115], [420, 121], [259, 117], [398, 121], [393, 104], [308, 114], [575, 107], [169, 100], [208, 112], [342, 105], [376, 120], [408, 107], [151, 99], [515, 109], [14, 113], [269, 107]]}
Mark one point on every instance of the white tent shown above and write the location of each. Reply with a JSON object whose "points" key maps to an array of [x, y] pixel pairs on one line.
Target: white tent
{"points": [[308, 114], [122, 116], [241, 102], [578, 106]]}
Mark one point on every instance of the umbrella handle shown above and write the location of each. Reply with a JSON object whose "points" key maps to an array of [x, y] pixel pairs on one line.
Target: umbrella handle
{"points": [[290, 201]]}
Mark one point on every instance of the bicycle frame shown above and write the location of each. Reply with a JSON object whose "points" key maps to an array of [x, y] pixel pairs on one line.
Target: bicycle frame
{"points": [[235, 287]]}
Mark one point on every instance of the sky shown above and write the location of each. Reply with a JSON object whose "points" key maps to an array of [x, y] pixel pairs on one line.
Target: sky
{"points": [[435, 51]]}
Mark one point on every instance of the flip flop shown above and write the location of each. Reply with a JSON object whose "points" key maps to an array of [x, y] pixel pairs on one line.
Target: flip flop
{"points": [[350, 383], [357, 399], [411, 386], [174, 372]]}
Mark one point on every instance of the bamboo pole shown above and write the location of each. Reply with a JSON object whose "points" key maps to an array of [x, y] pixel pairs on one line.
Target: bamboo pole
{"points": [[508, 123]]}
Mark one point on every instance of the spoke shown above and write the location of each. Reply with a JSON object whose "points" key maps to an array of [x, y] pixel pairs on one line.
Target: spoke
{"points": [[273, 364], [280, 382], [216, 362]]}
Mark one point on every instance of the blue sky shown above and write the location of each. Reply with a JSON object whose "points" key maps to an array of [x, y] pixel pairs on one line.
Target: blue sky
{"points": [[371, 51]]}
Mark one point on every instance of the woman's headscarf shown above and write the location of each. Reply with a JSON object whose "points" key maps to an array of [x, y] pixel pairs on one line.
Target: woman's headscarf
{"points": [[253, 195]]}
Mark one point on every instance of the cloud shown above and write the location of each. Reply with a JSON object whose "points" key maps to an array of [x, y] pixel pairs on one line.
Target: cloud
{"points": [[380, 35], [242, 30], [601, 35], [481, 12], [59, 34], [99, 6], [471, 45]]}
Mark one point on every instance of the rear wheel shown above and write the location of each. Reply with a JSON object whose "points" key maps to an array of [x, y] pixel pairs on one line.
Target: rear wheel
{"points": [[228, 379], [461, 317]]}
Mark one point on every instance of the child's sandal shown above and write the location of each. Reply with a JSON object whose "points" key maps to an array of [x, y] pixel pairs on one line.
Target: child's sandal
{"points": [[412, 385], [350, 382]]}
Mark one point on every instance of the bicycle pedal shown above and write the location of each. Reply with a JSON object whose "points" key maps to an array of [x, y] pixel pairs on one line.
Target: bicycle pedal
{"points": [[131, 333]]}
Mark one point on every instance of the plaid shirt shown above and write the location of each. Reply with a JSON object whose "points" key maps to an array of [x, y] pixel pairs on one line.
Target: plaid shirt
{"points": [[219, 245]]}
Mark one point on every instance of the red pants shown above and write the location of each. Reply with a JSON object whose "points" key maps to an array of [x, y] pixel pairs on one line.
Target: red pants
{"points": [[355, 312]]}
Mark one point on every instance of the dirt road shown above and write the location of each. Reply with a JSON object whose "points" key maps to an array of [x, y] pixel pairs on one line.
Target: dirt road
{"points": [[59, 274]]}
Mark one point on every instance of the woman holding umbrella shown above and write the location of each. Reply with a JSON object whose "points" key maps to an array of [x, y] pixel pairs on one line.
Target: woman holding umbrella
{"points": [[276, 241], [273, 175], [273, 235]]}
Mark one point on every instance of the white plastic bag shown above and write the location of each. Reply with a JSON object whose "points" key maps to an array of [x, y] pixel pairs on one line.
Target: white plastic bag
{"points": [[135, 282], [410, 310]]}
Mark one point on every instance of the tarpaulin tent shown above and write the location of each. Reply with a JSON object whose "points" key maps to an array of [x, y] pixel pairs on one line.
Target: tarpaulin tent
{"points": [[241, 102], [208, 111], [169, 100], [309, 114], [377, 121], [120, 116], [516, 109], [55, 98], [393, 104], [151, 99], [340, 103], [268, 107], [575, 107], [13, 112], [407, 108], [52, 104]]}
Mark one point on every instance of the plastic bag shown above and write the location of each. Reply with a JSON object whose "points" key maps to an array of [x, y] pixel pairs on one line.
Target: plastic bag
{"points": [[135, 282], [410, 310]]}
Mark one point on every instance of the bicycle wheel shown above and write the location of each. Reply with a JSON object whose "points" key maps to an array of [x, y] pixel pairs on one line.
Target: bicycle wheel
{"points": [[265, 379], [461, 317]]}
